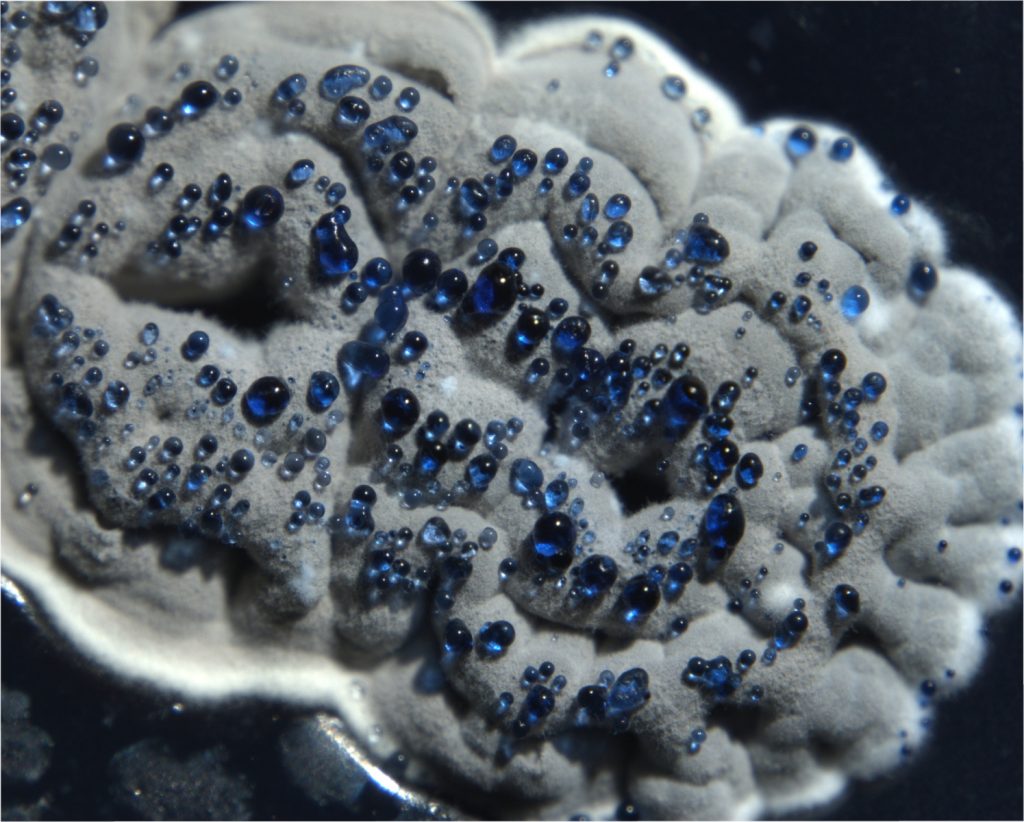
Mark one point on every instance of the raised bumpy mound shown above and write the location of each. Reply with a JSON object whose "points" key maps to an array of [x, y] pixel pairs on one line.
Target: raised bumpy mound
{"points": [[522, 404]]}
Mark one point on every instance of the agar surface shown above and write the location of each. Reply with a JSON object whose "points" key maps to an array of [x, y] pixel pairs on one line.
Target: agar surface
{"points": [[518, 402]]}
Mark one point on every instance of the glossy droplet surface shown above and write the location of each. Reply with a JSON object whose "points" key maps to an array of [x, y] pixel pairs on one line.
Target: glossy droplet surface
{"points": [[262, 206], [265, 400], [399, 411], [553, 540], [337, 253], [723, 525], [638, 599], [685, 403], [595, 575], [324, 389], [493, 294]]}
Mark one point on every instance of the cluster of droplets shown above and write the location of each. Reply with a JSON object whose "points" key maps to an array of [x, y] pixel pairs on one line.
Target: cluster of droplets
{"points": [[32, 152], [434, 457]]}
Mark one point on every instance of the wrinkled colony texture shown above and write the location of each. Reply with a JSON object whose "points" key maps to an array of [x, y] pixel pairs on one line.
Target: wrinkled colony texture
{"points": [[518, 403]]}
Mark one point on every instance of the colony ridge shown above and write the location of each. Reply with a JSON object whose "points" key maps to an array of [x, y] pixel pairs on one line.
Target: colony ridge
{"points": [[521, 402]]}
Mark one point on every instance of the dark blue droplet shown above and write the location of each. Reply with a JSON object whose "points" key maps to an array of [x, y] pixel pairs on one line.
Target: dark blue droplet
{"points": [[125, 144], [524, 162], [595, 575], [389, 133], [676, 579], [629, 693], [74, 402], [749, 471], [262, 206], [800, 142], [870, 497], [265, 400], [340, 80], [842, 150], [496, 637], [704, 245], [492, 295], [570, 335], [337, 253], [837, 539], [11, 126], [376, 273], [195, 345], [473, 196], [223, 392], [420, 270], [480, 471], [685, 403], [525, 477], [923, 279], [638, 599], [502, 148], [553, 540], [352, 111], [324, 389], [14, 214], [458, 639], [358, 360], [723, 525], [290, 88], [399, 411], [832, 363], [88, 17], [847, 600], [198, 97]]}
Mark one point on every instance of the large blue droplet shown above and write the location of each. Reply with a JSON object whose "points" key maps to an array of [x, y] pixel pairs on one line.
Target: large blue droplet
{"points": [[638, 599], [595, 575], [923, 279], [496, 637], [399, 410], [704, 245], [847, 600], [723, 525], [262, 206], [473, 196], [265, 400], [493, 294], [525, 476], [14, 214], [340, 80], [837, 538], [324, 389], [125, 144], [571, 334], [480, 471], [801, 142], [628, 694], [685, 403], [337, 253], [855, 301], [74, 402], [195, 345], [391, 313], [457, 637], [359, 360], [420, 270], [554, 541], [395, 131]]}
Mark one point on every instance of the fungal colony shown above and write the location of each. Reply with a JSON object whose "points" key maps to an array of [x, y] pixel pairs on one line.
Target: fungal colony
{"points": [[517, 402]]}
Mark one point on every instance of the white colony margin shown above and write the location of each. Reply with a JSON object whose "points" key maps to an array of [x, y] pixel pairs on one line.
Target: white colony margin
{"points": [[951, 364]]}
